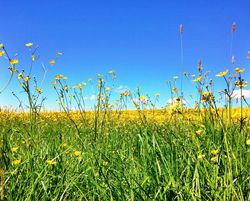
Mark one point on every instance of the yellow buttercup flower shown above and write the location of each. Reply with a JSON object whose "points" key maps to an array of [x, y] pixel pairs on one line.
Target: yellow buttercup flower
{"points": [[16, 162], [248, 141], [20, 75], [33, 57], [201, 156], [39, 90], [77, 153], [199, 132], [53, 83], [215, 159], [205, 93], [28, 44], [52, 62], [13, 70], [241, 84], [51, 162], [13, 61], [58, 77], [26, 79], [197, 79], [64, 145], [215, 151], [2, 52], [14, 149], [239, 70], [221, 74], [157, 94]]}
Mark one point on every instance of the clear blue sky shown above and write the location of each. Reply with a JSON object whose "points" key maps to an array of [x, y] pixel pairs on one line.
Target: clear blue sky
{"points": [[139, 39]]}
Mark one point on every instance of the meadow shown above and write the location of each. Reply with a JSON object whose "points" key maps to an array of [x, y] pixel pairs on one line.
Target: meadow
{"points": [[113, 153]]}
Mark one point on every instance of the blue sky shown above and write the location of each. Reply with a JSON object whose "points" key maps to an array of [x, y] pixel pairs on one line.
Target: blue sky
{"points": [[139, 39]]}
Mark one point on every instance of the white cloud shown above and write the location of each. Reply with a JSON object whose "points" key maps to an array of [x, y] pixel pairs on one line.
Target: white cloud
{"points": [[140, 100], [90, 98], [173, 100], [237, 93], [121, 89]]}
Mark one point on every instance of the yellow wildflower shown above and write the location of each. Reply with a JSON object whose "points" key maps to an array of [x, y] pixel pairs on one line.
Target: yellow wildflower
{"points": [[248, 141], [215, 159], [215, 151], [39, 90], [157, 94], [199, 132], [175, 77], [26, 79], [1, 45], [53, 83], [111, 71], [205, 93], [2, 52], [13, 70], [14, 149], [201, 156], [58, 77], [16, 162], [51, 162], [241, 84], [20, 75], [33, 57], [64, 144], [221, 74], [239, 70], [28, 44], [197, 79], [52, 62], [77, 153], [13, 61]]}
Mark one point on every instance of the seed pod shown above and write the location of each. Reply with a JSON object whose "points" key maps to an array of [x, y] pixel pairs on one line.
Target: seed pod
{"points": [[181, 28], [233, 27]]}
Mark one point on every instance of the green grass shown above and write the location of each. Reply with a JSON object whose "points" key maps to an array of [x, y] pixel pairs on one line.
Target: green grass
{"points": [[128, 161]]}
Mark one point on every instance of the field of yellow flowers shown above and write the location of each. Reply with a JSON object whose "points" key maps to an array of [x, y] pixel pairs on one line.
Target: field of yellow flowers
{"points": [[113, 153], [146, 155]]}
